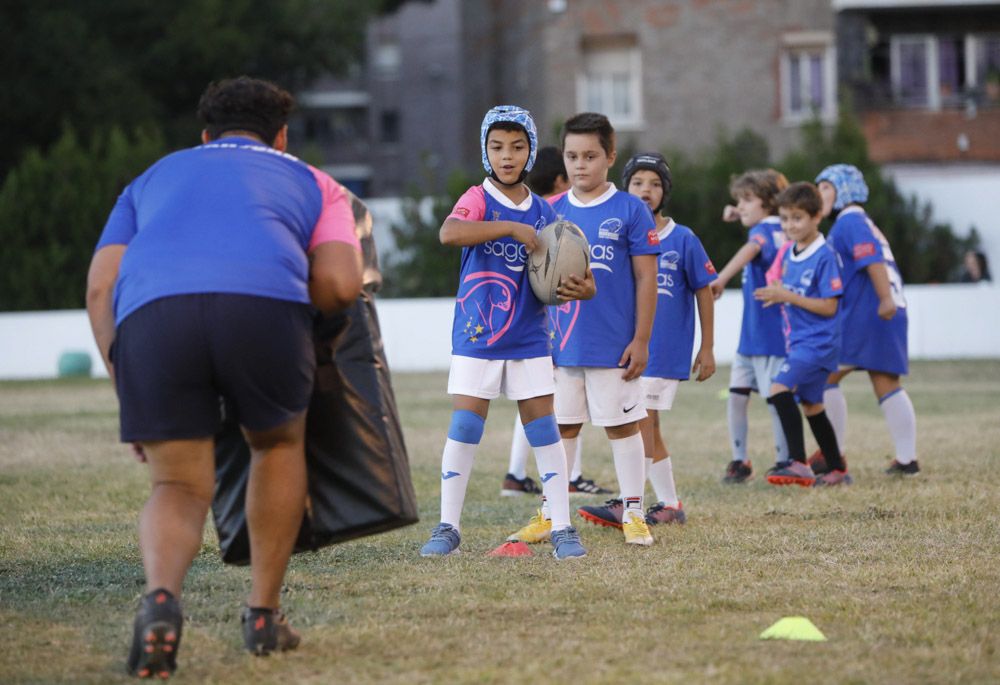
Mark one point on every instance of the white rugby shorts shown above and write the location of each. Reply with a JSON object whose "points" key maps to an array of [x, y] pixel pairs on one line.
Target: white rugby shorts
{"points": [[755, 372], [598, 395], [516, 379], [659, 393]]}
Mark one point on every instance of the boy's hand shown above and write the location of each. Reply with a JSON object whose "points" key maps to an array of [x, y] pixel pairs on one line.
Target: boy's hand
{"points": [[718, 287], [730, 213], [886, 308], [635, 356], [576, 288], [523, 233], [704, 364], [772, 294]]}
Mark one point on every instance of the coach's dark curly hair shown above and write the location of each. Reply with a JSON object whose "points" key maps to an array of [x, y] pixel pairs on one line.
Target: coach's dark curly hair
{"points": [[245, 104]]}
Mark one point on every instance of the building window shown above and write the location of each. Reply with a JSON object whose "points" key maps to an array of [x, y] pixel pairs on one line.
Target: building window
{"points": [[389, 126], [611, 83], [935, 71], [387, 60], [808, 77]]}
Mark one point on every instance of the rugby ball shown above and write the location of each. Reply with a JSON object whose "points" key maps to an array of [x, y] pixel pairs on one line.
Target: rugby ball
{"points": [[562, 250]]}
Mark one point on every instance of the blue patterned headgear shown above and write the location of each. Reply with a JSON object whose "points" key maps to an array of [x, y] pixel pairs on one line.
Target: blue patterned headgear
{"points": [[514, 115], [848, 181]]}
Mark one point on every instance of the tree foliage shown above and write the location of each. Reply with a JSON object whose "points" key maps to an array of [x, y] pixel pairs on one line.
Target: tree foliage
{"points": [[97, 63], [926, 251], [421, 265], [52, 209]]}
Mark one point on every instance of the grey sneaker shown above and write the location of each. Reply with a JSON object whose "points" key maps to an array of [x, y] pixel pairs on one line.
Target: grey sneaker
{"points": [[897, 469], [444, 541], [832, 478], [661, 513], [794, 473], [566, 544]]}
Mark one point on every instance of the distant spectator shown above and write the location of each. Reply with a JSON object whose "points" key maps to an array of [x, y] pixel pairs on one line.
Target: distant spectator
{"points": [[975, 268], [548, 176]]}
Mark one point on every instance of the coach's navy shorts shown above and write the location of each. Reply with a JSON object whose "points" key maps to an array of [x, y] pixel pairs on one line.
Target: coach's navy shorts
{"points": [[805, 379], [175, 357]]}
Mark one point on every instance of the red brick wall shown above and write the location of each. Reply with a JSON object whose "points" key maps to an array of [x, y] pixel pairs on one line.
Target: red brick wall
{"points": [[921, 136]]}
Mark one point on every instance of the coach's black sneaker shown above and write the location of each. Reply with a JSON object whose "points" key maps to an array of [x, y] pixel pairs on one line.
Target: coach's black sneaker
{"points": [[897, 469], [156, 635], [267, 630], [738, 472]]}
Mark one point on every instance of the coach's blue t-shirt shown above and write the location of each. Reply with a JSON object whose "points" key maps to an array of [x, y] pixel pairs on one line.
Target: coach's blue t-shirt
{"points": [[232, 216], [683, 268], [760, 333], [814, 272], [497, 315], [618, 226]]}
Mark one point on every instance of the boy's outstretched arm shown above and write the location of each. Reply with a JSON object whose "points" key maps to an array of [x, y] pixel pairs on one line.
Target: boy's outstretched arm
{"points": [[704, 361], [879, 275], [460, 233], [636, 354], [742, 257], [777, 293]]}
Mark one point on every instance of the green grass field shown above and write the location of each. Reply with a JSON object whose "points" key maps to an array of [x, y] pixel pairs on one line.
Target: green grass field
{"points": [[901, 576]]}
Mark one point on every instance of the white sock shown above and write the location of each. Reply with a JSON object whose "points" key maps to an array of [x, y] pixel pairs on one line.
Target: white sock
{"points": [[780, 441], [736, 415], [576, 470], [836, 410], [456, 465], [902, 422], [661, 475], [519, 449], [572, 447], [630, 467], [551, 460]]}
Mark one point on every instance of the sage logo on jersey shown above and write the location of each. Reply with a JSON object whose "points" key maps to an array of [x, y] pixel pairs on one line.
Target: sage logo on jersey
{"points": [[599, 254], [514, 254], [610, 229]]}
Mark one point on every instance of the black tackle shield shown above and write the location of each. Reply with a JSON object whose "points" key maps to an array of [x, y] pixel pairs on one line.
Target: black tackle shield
{"points": [[358, 470]]}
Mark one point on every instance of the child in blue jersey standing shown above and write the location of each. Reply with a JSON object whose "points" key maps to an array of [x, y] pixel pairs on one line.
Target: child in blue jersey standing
{"points": [[761, 348], [684, 276], [499, 337], [809, 291], [601, 346], [874, 316]]}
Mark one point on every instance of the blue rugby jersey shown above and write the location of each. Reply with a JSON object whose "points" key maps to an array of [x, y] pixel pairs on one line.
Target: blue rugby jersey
{"points": [[618, 226], [231, 216], [497, 315], [683, 268], [814, 272], [760, 332]]}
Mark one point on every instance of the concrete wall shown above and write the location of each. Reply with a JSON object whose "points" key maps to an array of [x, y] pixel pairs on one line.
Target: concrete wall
{"points": [[946, 322]]}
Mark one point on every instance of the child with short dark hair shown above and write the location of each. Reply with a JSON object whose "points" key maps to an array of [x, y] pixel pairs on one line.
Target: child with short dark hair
{"points": [[809, 291]]}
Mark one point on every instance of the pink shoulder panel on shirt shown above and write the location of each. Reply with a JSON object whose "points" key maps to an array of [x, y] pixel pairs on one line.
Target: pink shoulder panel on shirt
{"points": [[551, 199], [773, 274], [336, 220], [471, 206]]}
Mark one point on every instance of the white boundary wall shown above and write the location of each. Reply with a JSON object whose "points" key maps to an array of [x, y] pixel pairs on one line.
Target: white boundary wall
{"points": [[946, 322]]}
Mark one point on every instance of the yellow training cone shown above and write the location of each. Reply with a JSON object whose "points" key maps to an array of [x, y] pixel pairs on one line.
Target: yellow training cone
{"points": [[793, 628]]}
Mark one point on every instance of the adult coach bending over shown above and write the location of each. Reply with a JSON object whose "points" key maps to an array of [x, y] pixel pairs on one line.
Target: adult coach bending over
{"points": [[202, 280]]}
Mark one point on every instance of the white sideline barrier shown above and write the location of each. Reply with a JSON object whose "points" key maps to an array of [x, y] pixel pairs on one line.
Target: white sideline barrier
{"points": [[946, 322]]}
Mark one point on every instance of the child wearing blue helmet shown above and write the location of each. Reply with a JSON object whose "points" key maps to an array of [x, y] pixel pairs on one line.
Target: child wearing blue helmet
{"points": [[874, 320], [500, 342]]}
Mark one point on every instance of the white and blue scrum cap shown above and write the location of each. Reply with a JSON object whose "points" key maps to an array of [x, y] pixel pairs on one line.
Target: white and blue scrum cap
{"points": [[848, 181], [514, 115]]}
